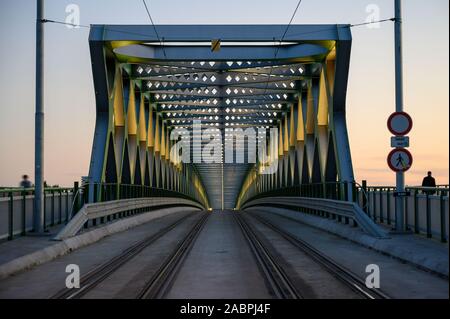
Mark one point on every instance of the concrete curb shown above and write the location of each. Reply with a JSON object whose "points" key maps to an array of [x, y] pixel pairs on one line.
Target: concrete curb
{"points": [[70, 244], [388, 247]]}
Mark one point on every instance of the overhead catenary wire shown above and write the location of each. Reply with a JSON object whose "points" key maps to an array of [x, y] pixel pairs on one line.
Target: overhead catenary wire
{"points": [[110, 29], [315, 31], [154, 28], [278, 47], [277, 50], [285, 33], [288, 26]]}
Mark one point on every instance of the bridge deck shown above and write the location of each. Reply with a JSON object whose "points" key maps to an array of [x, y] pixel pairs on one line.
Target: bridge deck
{"points": [[409, 247], [221, 265]]}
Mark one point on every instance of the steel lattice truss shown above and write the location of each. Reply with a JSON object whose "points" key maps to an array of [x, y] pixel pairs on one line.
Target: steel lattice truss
{"points": [[228, 94], [148, 86]]}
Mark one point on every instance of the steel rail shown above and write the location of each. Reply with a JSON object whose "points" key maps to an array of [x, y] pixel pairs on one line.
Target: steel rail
{"points": [[276, 278], [100, 273], [160, 283], [338, 271]]}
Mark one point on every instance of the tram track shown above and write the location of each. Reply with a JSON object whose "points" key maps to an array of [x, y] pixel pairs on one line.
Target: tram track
{"points": [[99, 274], [278, 281], [344, 275], [160, 283]]}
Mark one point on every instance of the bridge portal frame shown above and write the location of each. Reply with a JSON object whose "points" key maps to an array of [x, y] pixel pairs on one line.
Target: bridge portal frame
{"points": [[115, 48]]}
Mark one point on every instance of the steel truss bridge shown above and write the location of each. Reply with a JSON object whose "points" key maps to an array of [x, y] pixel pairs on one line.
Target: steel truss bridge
{"points": [[149, 84], [293, 225]]}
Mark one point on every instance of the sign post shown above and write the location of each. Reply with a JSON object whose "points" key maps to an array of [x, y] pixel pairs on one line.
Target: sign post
{"points": [[400, 160], [400, 176]]}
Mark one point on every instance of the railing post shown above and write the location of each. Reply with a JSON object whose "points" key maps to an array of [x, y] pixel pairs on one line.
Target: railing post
{"points": [[406, 213], [388, 206], [416, 213], [60, 207], [364, 194], [428, 217], [95, 198], [86, 188], [346, 191], [374, 201], [75, 198], [52, 220], [442, 211], [85, 197], [381, 206], [11, 216], [24, 213], [67, 205], [354, 192], [45, 210]]}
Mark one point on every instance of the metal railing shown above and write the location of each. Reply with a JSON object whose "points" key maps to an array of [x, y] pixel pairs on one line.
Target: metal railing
{"points": [[337, 191], [104, 192], [426, 208], [95, 214], [61, 204], [16, 209], [331, 190], [339, 210]]}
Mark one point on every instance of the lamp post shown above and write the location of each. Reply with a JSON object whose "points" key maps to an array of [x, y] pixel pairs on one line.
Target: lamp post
{"points": [[38, 214]]}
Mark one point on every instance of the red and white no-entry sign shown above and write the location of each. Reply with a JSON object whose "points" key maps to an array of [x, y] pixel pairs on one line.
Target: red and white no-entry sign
{"points": [[400, 123], [400, 160]]}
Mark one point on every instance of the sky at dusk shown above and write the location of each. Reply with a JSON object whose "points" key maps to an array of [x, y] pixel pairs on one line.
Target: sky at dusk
{"points": [[69, 95]]}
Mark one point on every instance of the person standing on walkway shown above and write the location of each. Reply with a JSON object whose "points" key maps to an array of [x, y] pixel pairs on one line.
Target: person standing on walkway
{"points": [[429, 181], [25, 183]]}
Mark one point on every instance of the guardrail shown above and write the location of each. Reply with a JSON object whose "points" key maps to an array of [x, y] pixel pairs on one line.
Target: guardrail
{"points": [[342, 211], [426, 208], [103, 192], [99, 213], [16, 209], [61, 204], [346, 191]]}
